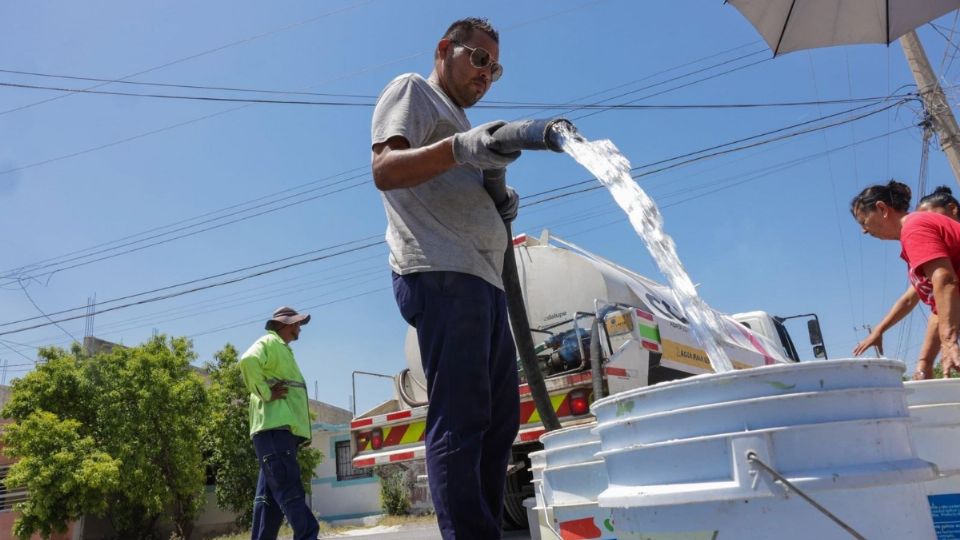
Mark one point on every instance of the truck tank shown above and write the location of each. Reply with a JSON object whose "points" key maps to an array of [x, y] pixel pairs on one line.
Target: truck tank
{"points": [[560, 280]]}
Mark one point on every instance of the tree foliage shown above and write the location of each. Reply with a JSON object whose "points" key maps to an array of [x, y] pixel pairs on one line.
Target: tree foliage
{"points": [[121, 428], [226, 437]]}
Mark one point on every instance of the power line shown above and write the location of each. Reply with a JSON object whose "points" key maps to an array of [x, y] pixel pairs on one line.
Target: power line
{"points": [[703, 152], [205, 278], [181, 85], [60, 262], [354, 73], [503, 105], [193, 290], [198, 55], [219, 225], [35, 264], [761, 173], [42, 314], [194, 233]]}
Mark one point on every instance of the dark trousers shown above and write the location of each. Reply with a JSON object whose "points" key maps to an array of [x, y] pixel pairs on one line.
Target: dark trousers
{"points": [[470, 362], [279, 491]]}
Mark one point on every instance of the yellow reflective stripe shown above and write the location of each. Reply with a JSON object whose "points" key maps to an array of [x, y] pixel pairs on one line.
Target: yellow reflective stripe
{"points": [[555, 402], [413, 432]]}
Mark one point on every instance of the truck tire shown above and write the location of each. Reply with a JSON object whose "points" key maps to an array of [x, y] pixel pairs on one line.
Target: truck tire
{"points": [[519, 486]]}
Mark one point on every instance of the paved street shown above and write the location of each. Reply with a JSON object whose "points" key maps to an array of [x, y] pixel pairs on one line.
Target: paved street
{"points": [[415, 532]]}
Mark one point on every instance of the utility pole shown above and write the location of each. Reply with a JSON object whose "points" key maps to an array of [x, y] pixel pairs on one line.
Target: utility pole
{"points": [[934, 101]]}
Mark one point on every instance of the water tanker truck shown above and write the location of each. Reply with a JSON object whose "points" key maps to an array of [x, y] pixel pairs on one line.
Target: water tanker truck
{"points": [[640, 338]]}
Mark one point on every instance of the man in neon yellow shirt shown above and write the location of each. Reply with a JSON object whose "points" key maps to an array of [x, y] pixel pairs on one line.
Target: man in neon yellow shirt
{"points": [[279, 425]]}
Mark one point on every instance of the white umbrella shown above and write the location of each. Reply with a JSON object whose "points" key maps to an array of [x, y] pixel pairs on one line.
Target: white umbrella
{"points": [[793, 25]]}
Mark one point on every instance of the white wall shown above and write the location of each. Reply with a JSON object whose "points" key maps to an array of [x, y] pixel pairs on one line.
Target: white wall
{"points": [[331, 499]]}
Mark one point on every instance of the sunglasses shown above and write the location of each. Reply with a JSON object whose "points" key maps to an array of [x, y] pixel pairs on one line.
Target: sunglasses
{"points": [[480, 58]]}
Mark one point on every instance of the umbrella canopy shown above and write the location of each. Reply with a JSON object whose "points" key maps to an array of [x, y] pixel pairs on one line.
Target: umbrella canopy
{"points": [[793, 25]]}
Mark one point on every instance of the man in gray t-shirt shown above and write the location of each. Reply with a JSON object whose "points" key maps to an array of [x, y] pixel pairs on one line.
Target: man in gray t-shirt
{"points": [[447, 241]]}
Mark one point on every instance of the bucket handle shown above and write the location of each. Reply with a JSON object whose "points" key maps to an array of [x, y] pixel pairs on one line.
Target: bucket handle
{"points": [[754, 459], [547, 521]]}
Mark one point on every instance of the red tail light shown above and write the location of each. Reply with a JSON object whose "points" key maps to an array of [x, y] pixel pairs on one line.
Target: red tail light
{"points": [[363, 439], [376, 439], [579, 402]]}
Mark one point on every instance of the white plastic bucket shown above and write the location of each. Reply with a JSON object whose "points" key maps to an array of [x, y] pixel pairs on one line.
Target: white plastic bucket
{"points": [[676, 455], [572, 477], [935, 408]]}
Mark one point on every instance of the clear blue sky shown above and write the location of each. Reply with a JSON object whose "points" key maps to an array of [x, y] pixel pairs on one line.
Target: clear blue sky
{"points": [[766, 228]]}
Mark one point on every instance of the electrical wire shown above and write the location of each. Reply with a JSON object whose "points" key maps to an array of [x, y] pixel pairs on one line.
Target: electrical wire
{"points": [[200, 54], [193, 233], [189, 291], [207, 278], [707, 156], [35, 264]]}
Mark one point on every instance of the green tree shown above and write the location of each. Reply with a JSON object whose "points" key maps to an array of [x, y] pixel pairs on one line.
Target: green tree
{"points": [[65, 473], [226, 439], [139, 408]]}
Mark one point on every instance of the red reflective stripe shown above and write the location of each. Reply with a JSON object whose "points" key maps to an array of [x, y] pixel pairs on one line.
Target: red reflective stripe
{"points": [[649, 345], [359, 463], [532, 436], [524, 389], [579, 529], [401, 456], [644, 315], [564, 408], [396, 433], [527, 408], [616, 371], [767, 359], [361, 423], [398, 415]]}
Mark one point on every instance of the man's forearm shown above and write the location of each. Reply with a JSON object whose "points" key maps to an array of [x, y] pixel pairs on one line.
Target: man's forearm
{"points": [[395, 167]]}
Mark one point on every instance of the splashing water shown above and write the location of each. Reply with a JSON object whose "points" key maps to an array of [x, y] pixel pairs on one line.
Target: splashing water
{"points": [[613, 170]]}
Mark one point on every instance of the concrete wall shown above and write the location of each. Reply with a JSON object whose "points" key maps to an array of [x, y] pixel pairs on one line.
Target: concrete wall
{"points": [[333, 499]]}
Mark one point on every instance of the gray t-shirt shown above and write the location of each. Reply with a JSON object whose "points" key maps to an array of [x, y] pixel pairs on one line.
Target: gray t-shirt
{"points": [[447, 223]]}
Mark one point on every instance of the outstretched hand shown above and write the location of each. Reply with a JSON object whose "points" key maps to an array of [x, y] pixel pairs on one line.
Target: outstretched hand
{"points": [[875, 339]]}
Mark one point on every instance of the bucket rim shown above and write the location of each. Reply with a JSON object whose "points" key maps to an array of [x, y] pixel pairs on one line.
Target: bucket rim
{"points": [[752, 432], [812, 365], [611, 424]]}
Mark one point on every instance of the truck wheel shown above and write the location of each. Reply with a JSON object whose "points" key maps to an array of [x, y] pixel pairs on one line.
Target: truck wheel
{"points": [[519, 486]]}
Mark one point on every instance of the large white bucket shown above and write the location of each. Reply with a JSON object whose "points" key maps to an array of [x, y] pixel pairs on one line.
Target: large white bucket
{"points": [[686, 457], [572, 477], [935, 407]]}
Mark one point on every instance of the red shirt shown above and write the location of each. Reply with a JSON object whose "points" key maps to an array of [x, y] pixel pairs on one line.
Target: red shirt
{"points": [[927, 236]]}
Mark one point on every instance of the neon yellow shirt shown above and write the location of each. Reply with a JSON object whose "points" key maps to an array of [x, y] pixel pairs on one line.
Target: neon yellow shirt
{"points": [[268, 361]]}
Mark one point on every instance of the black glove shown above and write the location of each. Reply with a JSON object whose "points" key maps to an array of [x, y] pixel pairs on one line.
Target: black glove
{"points": [[509, 207], [473, 148], [504, 197]]}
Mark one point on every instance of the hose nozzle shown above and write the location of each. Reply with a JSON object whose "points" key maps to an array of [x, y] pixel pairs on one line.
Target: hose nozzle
{"points": [[529, 135]]}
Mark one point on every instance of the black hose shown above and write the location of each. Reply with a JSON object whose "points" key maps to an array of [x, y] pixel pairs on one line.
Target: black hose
{"points": [[521, 336], [528, 135]]}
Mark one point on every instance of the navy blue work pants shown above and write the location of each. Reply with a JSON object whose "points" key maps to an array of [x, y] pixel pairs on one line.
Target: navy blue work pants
{"points": [[470, 362], [279, 490]]}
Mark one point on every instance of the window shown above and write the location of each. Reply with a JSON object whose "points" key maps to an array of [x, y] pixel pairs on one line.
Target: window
{"points": [[345, 470], [8, 497]]}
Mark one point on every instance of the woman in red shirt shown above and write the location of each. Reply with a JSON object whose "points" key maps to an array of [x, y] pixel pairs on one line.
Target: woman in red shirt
{"points": [[930, 245], [943, 202]]}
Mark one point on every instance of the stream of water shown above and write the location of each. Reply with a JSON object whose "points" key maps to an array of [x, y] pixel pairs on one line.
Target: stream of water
{"points": [[613, 170]]}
